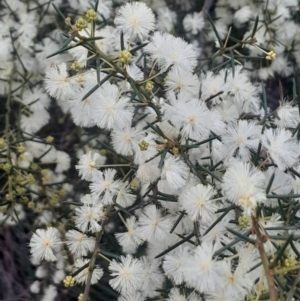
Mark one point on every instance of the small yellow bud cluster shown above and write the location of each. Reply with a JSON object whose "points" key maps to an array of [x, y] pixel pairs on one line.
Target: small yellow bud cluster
{"points": [[103, 152], [54, 199], [61, 192], [169, 145], [81, 23], [143, 145], [75, 66], [9, 196], [125, 56], [2, 143], [271, 55], [80, 297], [34, 166], [6, 167], [61, 227], [68, 21], [90, 15], [69, 281], [20, 149], [134, 185], [30, 204], [45, 178], [30, 179], [289, 262], [244, 221], [38, 209], [175, 151], [20, 190], [49, 139], [24, 199], [149, 86]]}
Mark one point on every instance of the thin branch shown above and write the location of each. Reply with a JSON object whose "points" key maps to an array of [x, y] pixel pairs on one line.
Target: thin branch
{"points": [[264, 259]]}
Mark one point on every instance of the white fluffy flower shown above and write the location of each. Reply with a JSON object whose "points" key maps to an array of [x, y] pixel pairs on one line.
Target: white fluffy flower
{"points": [[124, 197], [57, 82], [202, 272], [175, 295], [88, 216], [152, 226], [165, 19], [43, 244], [135, 72], [174, 264], [82, 109], [125, 140], [179, 54], [198, 204], [175, 172], [135, 19], [112, 112], [193, 119], [193, 23], [104, 187], [239, 138], [35, 121], [281, 146], [63, 161], [238, 283], [79, 244], [289, 116], [131, 239], [244, 186], [88, 164], [182, 81], [153, 277], [134, 296], [128, 274]]}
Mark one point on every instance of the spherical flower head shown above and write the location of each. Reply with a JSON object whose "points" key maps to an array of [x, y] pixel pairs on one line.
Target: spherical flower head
{"points": [[112, 112], [57, 82], [174, 264], [244, 186], [153, 227], [131, 239], [135, 19], [43, 244], [128, 274], [79, 243], [281, 146], [153, 277], [88, 216], [81, 23], [202, 272], [125, 56], [193, 23], [197, 203], [239, 138], [90, 15], [104, 187], [175, 172], [88, 164]]}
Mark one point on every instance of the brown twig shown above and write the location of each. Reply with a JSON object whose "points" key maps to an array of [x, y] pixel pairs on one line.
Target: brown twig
{"points": [[264, 259], [92, 263]]}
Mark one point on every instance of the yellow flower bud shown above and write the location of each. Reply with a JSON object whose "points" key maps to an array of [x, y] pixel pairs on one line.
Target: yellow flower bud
{"points": [[90, 15], [125, 56], [81, 23]]}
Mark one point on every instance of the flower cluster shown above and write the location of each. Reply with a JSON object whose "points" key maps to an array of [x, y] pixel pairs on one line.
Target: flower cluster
{"points": [[188, 182]]}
